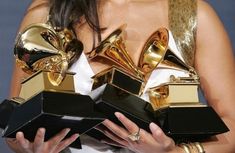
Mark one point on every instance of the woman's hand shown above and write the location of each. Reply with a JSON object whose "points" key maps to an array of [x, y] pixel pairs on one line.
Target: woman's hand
{"points": [[54, 145], [153, 142]]}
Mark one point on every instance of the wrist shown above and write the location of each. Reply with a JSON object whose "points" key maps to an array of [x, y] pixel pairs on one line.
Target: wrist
{"points": [[194, 147], [179, 149]]}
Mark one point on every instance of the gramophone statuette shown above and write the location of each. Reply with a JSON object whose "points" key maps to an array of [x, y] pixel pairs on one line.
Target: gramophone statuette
{"points": [[49, 97]]}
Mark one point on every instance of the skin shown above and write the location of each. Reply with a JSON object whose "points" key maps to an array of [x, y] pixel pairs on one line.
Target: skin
{"points": [[214, 62]]}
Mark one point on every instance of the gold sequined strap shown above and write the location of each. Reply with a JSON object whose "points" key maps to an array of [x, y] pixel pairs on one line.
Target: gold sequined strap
{"points": [[183, 24]]}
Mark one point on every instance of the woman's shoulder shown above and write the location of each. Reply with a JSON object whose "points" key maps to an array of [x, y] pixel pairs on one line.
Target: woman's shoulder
{"points": [[36, 12], [206, 12], [38, 3], [210, 27]]}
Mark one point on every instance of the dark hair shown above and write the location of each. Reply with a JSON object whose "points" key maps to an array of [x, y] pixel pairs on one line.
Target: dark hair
{"points": [[64, 13]]}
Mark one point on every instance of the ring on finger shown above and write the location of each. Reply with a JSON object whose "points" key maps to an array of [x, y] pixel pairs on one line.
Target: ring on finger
{"points": [[134, 136]]}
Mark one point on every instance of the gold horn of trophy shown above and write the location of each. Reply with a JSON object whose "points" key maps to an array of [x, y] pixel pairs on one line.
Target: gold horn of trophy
{"points": [[174, 105], [157, 53], [180, 91], [113, 49], [47, 97], [41, 47]]}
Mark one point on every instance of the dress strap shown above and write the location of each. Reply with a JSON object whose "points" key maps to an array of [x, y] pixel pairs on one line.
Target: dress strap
{"points": [[183, 25]]}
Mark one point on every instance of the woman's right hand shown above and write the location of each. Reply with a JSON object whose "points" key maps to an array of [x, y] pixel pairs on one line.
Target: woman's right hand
{"points": [[53, 145]]}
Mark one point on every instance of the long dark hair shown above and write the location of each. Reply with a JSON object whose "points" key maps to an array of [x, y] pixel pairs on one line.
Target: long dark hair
{"points": [[65, 13]]}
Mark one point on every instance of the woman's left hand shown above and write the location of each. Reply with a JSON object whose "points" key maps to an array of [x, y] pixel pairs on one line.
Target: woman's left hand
{"points": [[153, 142]]}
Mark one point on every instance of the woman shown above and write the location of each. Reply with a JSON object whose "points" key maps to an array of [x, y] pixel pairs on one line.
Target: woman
{"points": [[213, 61]]}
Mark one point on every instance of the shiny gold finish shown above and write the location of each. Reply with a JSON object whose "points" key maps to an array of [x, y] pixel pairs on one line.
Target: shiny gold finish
{"points": [[154, 50], [178, 92], [41, 47], [157, 52], [39, 81], [113, 49], [183, 25]]}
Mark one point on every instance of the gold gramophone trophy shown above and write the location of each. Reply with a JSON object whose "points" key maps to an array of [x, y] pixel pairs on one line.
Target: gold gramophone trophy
{"points": [[47, 98], [178, 113]]}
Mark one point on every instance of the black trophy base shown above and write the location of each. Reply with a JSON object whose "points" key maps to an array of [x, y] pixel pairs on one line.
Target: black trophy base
{"points": [[190, 123], [54, 111], [182, 123], [6, 109]]}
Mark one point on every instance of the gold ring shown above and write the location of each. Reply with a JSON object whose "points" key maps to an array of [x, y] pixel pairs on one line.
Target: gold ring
{"points": [[135, 136]]}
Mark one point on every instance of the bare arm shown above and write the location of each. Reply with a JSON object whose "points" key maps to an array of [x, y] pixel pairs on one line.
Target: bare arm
{"points": [[216, 67]]}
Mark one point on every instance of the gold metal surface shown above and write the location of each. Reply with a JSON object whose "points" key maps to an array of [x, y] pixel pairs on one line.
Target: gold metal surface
{"points": [[113, 49], [41, 47], [157, 52], [174, 93], [154, 50], [39, 81], [183, 25]]}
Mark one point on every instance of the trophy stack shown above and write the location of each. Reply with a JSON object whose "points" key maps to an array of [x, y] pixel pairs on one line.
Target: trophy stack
{"points": [[173, 105], [48, 99]]}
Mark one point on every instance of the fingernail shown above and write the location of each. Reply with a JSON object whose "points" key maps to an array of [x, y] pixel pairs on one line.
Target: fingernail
{"points": [[105, 121], [19, 134], [118, 115], [76, 136], [67, 130], [153, 126], [42, 130]]}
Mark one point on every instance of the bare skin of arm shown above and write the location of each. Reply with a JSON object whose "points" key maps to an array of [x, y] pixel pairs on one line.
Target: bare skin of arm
{"points": [[216, 67]]}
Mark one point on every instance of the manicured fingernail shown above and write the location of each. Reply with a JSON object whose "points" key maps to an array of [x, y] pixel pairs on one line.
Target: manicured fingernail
{"points": [[19, 134], [42, 130], [105, 121], [153, 126], [76, 136], [118, 115], [67, 130]]}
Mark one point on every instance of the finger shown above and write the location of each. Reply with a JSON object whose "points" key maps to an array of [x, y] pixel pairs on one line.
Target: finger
{"points": [[11, 140], [13, 144], [113, 138], [53, 142], [24, 143], [39, 140], [113, 143], [159, 135], [65, 143], [117, 130], [129, 125]]}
